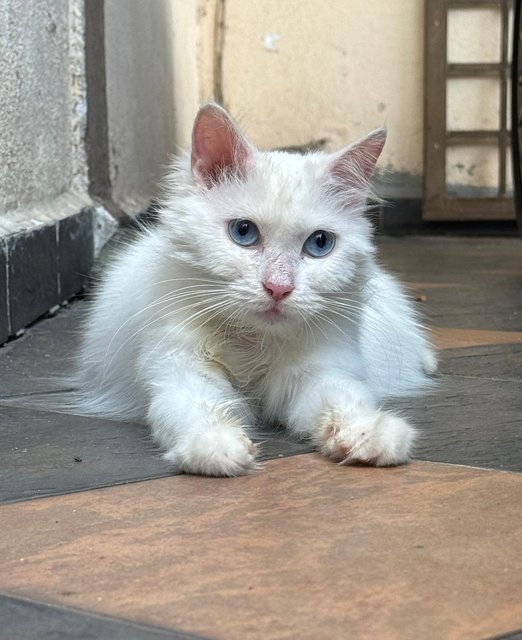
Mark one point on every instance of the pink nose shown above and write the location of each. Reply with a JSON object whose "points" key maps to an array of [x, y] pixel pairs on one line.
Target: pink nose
{"points": [[278, 291]]}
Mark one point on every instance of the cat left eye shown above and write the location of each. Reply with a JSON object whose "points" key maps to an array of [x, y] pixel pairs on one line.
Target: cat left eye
{"points": [[319, 243], [243, 232]]}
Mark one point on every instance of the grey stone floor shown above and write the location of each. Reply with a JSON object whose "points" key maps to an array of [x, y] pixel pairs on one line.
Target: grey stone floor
{"points": [[472, 417]]}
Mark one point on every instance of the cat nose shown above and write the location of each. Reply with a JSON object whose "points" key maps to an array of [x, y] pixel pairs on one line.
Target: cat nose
{"points": [[278, 291]]}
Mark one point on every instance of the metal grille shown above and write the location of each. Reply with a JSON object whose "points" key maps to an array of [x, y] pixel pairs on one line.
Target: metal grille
{"points": [[439, 202]]}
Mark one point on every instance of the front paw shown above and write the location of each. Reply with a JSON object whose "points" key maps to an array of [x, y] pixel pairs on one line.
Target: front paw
{"points": [[376, 437], [222, 450]]}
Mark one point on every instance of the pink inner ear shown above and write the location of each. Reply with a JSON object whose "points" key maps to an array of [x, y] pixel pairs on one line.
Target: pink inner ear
{"points": [[218, 147], [356, 163]]}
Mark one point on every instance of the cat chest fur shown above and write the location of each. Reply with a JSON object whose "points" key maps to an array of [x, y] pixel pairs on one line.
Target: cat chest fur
{"points": [[262, 368]]}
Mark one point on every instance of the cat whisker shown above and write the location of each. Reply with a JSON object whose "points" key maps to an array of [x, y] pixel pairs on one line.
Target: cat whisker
{"points": [[310, 320], [154, 320], [191, 279], [215, 308], [166, 298]]}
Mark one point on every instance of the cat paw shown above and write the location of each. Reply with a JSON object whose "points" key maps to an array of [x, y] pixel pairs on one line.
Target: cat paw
{"points": [[375, 438], [220, 451]]}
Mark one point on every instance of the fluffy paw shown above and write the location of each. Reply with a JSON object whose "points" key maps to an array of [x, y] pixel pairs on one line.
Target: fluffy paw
{"points": [[220, 451], [376, 438]]}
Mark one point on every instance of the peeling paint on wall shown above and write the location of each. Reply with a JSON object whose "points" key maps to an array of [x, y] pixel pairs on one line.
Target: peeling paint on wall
{"points": [[270, 41]]}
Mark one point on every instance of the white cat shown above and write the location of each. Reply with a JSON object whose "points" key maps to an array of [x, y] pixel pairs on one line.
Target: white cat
{"points": [[257, 298]]}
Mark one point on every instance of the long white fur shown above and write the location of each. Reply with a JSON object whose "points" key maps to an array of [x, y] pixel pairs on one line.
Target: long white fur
{"points": [[176, 336]]}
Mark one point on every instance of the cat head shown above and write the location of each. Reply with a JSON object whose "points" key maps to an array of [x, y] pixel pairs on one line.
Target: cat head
{"points": [[279, 234]]}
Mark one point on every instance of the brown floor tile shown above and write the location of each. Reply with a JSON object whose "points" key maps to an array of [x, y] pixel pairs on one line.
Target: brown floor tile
{"points": [[305, 549], [445, 338]]}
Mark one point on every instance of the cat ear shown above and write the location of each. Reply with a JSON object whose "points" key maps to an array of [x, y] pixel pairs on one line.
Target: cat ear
{"points": [[354, 165], [218, 146]]}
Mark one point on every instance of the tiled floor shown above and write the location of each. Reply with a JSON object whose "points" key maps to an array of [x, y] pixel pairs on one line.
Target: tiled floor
{"points": [[98, 540]]}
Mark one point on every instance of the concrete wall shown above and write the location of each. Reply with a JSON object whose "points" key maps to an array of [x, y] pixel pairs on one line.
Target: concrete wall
{"points": [[51, 120], [140, 97], [42, 104], [46, 216]]}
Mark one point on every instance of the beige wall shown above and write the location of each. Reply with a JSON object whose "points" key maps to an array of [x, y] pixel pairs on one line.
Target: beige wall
{"points": [[333, 70], [298, 72]]}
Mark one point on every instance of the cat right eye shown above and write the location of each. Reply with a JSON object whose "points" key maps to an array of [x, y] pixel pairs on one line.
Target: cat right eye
{"points": [[319, 244], [243, 232]]}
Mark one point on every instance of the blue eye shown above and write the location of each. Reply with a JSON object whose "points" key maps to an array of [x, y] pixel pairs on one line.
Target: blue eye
{"points": [[319, 244], [243, 232]]}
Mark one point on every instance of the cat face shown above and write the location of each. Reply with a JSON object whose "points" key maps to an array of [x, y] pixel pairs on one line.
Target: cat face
{"points": [[278, 234]]}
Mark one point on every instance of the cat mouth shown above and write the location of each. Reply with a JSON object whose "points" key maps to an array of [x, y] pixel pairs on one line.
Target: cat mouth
{"points": [[272, 315]]}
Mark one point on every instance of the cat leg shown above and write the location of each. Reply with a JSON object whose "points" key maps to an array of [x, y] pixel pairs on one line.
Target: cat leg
{"points": [[342, 419], [198, 418]]}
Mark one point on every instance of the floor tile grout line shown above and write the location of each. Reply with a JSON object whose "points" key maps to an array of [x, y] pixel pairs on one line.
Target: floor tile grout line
{"points": [[218, 479], [169, 632], [467, 466], [85, 489], [30, 394], [468, 377], [478, 345], [160, 476], [510, 635]]}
